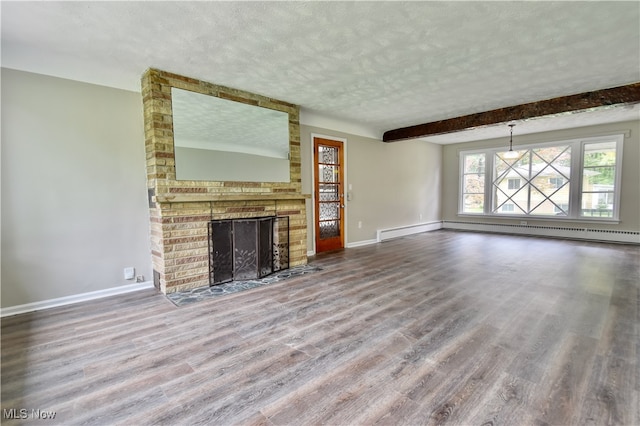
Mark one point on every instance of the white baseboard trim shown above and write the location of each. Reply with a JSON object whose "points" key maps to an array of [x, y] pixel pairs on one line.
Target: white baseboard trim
{"points": [[76, 298], [361, 243], [401, 231], [605, 235]]}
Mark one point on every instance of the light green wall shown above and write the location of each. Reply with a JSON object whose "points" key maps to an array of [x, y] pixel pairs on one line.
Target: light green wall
{"points": [[74, 209], [393, 183], [630, 192]]}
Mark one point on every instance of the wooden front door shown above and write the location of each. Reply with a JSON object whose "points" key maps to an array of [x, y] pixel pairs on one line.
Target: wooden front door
{"points": [[328, 159]]}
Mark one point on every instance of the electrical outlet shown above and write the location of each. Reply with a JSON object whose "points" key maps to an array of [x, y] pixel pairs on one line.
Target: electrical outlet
{"points": [[139, 278], [359, 224], [129, 273]]}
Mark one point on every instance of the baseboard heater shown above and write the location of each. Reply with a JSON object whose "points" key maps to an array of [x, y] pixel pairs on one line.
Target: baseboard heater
{"points": [[548, 231], [401, 231]]}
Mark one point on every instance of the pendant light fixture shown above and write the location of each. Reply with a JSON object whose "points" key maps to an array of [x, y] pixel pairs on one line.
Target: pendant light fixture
{"points": [[511, 153]]}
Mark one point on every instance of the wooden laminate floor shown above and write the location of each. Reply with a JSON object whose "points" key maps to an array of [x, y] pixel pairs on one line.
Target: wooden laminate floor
{"points": [[437, 328]]}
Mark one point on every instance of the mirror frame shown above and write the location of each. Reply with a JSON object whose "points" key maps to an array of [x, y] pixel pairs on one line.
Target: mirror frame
{"points": [[219, 139], [159, 141]]}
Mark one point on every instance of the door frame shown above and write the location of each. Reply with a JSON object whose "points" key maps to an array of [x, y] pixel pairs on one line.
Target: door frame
{"points": [[312, 228]]}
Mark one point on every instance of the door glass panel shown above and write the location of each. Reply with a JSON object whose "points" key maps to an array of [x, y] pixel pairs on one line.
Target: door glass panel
{"points": [[328, 155], [329, 192], [328, 173], [329, 211], [329, 229]]}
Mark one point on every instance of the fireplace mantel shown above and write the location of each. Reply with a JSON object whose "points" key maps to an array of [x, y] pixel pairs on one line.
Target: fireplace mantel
{"points": [[240, 196]]}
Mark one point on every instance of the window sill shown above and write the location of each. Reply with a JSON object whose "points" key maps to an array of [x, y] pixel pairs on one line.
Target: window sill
{"points": [[611, 221]]}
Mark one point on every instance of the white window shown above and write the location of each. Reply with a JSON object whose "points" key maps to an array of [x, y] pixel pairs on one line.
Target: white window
{"points": [[562, 209], [599, 179], [508, 207], [535, 167], [576, 179], [473, 177]]}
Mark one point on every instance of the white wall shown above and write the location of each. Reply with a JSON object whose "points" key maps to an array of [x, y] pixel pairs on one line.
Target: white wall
{"points": [[393, 183], [74, 202]]}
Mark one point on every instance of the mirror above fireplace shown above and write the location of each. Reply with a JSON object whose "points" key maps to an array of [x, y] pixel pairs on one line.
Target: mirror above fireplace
{"points": [[218, 139]]}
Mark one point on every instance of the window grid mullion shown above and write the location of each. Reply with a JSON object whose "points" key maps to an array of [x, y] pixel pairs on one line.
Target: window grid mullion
{"points": [[576, 177], [570, 202], [529, 181], [548, 197], [488, 183]]}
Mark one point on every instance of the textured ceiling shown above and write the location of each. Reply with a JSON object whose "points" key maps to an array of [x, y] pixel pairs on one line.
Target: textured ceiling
{"points": [[382, 65]]}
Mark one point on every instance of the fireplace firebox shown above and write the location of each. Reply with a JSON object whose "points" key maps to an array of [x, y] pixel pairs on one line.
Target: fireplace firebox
{"points": [[247, 248]]}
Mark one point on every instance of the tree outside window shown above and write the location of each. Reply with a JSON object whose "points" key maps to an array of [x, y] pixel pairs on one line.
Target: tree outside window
{"points": [[473, 177], [599, 180]]}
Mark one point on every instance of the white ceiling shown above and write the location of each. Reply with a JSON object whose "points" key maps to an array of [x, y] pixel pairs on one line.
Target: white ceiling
{"points": [[380, 65]]}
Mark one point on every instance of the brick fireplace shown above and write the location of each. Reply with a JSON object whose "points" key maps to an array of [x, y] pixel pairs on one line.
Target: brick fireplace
{"points": [[180, 210]]}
